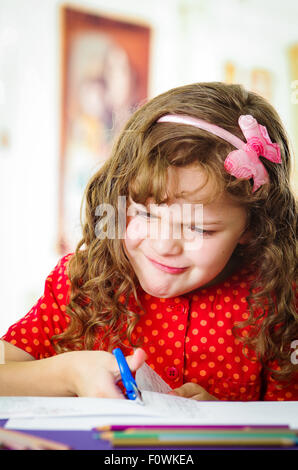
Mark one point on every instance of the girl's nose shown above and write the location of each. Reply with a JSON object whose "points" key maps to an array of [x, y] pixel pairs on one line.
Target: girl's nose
{"points": [[169, 246]]}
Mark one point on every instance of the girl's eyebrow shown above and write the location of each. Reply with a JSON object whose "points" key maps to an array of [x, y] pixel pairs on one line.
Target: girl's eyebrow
{"points": [[204, 222]]}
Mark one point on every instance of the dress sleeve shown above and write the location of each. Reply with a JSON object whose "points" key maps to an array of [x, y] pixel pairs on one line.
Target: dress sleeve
{"points": [[47, 317]]}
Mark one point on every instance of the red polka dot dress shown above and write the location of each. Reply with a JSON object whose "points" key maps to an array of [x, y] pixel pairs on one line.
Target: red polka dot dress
{"points": [[189, 338]]}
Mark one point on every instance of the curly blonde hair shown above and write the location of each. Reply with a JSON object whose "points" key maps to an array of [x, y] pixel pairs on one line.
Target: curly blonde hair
{"points": [[99, 270]]}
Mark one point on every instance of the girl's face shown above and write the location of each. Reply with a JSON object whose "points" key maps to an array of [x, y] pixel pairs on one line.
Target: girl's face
{"points": [[171, 249]]}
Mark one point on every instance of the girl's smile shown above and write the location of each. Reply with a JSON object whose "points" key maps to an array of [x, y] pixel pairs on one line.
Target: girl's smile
{"points": [[168, 269]]}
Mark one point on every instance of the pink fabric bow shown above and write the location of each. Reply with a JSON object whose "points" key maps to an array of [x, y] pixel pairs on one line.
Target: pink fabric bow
{"points": [[245, 162]]}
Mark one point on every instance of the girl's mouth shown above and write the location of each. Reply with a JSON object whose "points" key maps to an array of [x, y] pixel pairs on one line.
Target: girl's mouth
{"points": [[168, 269]]}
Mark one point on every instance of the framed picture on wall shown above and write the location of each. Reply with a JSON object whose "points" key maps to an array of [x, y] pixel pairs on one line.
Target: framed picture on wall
{"points": [[105, 70], [293, 86]]}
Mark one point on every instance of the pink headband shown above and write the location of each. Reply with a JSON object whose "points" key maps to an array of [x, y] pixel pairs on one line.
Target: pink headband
{"points": [[244, 162]]}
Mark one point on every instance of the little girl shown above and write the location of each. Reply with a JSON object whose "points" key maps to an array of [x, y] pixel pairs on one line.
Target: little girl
{"points": [[212, 310]]}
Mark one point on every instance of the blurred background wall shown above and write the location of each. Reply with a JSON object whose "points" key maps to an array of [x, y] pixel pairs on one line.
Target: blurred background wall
{"points": [[246, 41]]}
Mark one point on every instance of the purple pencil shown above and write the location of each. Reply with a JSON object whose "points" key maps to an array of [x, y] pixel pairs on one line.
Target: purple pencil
{"points": [[123, 427]]}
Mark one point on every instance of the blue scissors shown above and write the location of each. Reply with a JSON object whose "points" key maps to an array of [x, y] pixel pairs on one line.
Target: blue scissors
{"points": [[132, 391]]}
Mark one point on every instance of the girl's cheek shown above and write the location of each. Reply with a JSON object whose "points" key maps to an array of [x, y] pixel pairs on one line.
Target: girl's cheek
{"points": [[193, 243], [136, 230]]}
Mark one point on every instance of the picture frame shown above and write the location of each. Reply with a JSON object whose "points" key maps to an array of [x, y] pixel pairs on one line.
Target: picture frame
{"points": [[293, 72], [104, 78]]}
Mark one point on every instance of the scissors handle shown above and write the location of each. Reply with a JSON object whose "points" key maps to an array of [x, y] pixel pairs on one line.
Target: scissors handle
{"points": [[126, 375]]}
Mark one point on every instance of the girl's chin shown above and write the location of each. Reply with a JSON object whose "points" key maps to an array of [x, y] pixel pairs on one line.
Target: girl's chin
{"points": [[163, 292], [158, 291]]}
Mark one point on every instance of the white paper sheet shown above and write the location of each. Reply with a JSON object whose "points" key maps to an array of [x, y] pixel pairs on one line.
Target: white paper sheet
{"points": [[155, 404], [86, 413], [85, 423], [148, 379], [35, 407], [204, 413], [170, 405]]}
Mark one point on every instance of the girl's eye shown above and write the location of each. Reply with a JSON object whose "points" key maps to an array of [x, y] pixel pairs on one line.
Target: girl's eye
{"points": [[193, 228], [200, 230]]}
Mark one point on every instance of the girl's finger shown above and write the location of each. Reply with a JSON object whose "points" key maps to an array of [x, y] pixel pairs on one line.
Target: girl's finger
{"points": [[108, 387], [136, 360]]}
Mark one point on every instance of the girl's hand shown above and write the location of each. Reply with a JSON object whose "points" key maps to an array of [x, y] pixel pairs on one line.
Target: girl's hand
{"points": [[193, 391], [95, 373]]}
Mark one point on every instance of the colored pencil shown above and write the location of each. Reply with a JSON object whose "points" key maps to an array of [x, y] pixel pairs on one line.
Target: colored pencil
{"points": [[191, 439], [198, 432], [123, 427], [129, 434]]}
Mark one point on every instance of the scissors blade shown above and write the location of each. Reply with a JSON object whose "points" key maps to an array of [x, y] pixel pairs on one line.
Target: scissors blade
{"points": [[139, 398]]}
